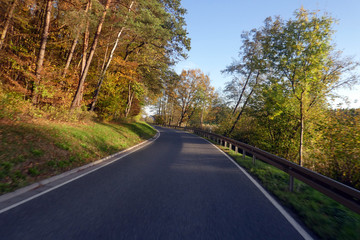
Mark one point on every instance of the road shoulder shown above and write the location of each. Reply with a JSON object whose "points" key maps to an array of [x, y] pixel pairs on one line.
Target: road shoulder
{"points": [[25, 194]]}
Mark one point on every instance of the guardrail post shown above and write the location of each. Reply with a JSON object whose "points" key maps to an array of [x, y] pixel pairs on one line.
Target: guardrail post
{"points": [[236, 149], [291, 183], [230, 146], [254, 158]]}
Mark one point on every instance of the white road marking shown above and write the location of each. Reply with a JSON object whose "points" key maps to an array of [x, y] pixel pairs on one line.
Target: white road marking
{"points": [[129, 151], [287, 216]]}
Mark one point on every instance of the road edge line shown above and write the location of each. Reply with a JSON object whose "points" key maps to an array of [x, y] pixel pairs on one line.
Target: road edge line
{"points": [[44, 182], [273, 201]]}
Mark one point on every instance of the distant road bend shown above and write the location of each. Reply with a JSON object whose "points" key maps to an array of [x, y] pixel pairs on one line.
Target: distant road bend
{"points": [[178, 187]]}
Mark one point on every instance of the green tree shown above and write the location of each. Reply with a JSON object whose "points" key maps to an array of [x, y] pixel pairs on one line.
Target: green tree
{"points": [[302, 59], [336, 147], [247, 73]]}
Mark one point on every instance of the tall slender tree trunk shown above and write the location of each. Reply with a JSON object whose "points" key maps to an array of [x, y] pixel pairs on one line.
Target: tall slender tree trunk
{"points": [[7, 23], [202, 116], [130, 100], [79, 92], [183, 112], [242, 93], [301, 131], [171, 117], [41, 56], [71, 53], [103, 73], [86, 37], [105, 57], [243, 107]]}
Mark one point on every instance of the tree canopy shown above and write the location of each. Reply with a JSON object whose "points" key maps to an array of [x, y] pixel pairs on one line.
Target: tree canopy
{"points": [[57, 54]]}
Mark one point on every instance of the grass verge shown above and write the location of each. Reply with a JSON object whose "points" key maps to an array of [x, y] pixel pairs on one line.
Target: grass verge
{"points": [[324, 216], [31, 152]]}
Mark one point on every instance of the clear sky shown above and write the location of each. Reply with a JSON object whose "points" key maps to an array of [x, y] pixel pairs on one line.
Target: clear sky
{"points": [[215, 26]]}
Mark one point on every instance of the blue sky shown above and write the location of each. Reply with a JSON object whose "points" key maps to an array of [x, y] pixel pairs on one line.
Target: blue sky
{"points": [[215, 26]]}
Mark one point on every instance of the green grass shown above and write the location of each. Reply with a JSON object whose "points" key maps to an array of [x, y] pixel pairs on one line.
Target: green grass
{"points": [[30, 152], [324, 216]]}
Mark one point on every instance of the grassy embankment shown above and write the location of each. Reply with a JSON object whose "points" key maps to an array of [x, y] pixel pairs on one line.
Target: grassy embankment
{"points": [[325, 217], [31, 152]]}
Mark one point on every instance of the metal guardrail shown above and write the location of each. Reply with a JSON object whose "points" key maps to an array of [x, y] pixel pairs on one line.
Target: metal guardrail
{"points": [[345, 195]]}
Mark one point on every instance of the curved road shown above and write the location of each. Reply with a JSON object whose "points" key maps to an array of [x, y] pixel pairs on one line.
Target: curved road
{"points": [[179, 187]]}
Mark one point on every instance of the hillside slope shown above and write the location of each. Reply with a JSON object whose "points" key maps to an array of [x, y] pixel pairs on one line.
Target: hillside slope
{"points": [[30, 152]]}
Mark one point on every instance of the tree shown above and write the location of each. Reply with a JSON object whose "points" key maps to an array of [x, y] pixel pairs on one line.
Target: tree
{"points": [[78, 20], [336, 147], [191, 91], [167, 101], [147, 39], [301, 57], [41, 55], [147, 30], [247, 74], [79, 92], [9, 17], [107, 64]]}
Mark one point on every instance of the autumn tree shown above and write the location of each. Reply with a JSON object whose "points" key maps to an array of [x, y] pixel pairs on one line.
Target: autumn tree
{"points": [[79, 91], [108, 61], [167, 100], [84, 40], [192, 92], [41, 55], [149, 41], [9, 16]]}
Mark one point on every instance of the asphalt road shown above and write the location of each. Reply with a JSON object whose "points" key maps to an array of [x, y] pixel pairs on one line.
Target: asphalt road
{"points": [[179, 187]]}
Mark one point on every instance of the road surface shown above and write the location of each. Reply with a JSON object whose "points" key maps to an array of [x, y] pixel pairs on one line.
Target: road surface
{"points": [[179, 187]]}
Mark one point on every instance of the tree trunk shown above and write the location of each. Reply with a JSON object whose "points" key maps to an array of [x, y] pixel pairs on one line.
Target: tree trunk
{"points": [[243, 107], [202, 116], [103, 72], [190, 116], [181, 117], [41, 56], [237, 118], [129, 103], [7, 23], [69, 58], [86, 37], [159, 109], [105, 57], [242, 93], [79, 92], [171, 117], [301, 131]]}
